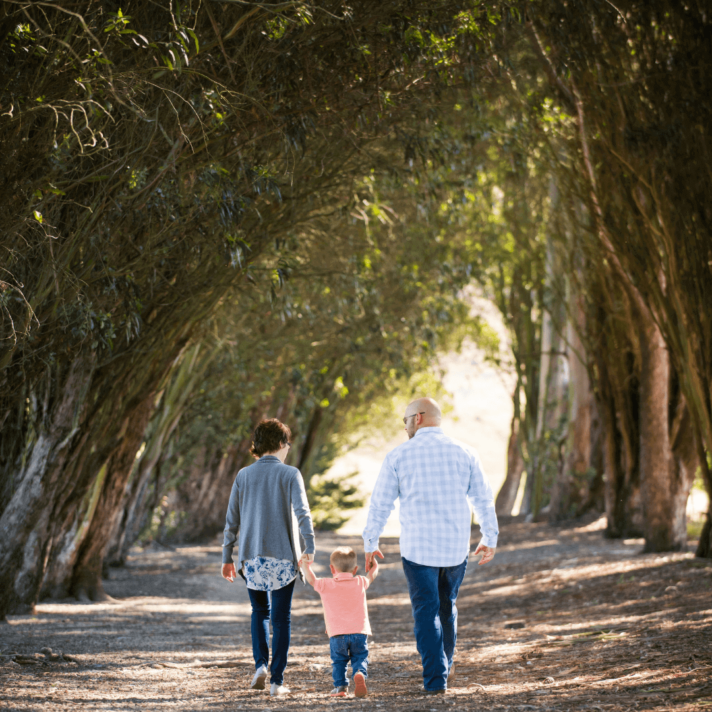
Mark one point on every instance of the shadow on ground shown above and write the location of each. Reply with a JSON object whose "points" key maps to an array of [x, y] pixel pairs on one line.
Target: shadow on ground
{"points": [[562, 619]]}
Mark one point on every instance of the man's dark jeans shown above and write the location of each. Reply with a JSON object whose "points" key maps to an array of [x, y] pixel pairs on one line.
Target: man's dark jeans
{"points": [[433, 592], [354, 647], [280, 614]]}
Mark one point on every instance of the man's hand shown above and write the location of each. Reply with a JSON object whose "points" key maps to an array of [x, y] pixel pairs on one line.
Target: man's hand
{"points": [[370, 558], [487, 553], [306, 559], [228, 572]]}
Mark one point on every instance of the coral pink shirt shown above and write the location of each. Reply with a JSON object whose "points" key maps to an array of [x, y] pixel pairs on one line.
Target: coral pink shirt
{"points": [[344, 599]]}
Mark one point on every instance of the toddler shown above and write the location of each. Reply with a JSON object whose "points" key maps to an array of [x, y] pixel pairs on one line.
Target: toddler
{"points": [[346, 616]]}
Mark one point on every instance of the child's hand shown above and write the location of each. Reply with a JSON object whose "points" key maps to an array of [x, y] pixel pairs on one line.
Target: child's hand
{"points": [[306, 563]]}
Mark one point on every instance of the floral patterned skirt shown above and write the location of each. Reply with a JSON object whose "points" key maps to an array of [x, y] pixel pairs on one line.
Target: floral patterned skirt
{"points": [[264, 573]]}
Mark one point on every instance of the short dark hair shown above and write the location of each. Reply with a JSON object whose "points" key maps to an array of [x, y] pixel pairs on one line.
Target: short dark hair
{"points": [[270, 435]]}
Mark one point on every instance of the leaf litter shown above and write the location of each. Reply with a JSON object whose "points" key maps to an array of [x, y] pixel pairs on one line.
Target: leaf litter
{"points": [[562, 619]]}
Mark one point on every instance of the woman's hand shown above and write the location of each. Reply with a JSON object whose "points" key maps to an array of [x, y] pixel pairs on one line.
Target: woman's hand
{"points": [[228, 572], [305, 562]]}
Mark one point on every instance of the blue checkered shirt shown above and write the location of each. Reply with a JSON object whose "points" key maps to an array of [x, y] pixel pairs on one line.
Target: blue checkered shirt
{"points": [[437, 479]]}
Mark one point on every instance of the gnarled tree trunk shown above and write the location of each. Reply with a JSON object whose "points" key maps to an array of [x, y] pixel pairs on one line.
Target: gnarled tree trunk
{"points": [[36, 492], [86, 576]]}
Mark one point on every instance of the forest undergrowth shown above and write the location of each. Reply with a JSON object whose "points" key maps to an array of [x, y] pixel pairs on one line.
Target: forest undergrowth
{"points": [[563, 619]]}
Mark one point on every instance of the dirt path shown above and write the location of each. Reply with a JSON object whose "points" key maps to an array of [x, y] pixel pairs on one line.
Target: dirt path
{"points": [[561, 620]]}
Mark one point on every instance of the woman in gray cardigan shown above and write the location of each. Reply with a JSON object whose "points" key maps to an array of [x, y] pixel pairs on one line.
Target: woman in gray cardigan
{"points": [[268, 506]]}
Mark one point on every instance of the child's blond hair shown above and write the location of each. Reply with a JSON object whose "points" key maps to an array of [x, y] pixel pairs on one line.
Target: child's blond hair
{"points": [[343, 559]]}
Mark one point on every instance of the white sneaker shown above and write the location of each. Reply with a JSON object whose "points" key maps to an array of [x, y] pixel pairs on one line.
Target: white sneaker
{"points": [[278, 690], [258, 681]]}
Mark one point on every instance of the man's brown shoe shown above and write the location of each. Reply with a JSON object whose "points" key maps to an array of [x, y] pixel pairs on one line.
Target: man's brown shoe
{"points": [[451, 675], [441, 691]]}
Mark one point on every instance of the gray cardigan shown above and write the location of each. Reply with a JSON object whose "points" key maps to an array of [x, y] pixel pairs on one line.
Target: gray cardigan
{"points": [[267, 504]]}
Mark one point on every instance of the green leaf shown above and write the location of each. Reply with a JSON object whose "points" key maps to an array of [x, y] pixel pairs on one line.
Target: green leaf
{"points": [[195, 39], [38, 216]]}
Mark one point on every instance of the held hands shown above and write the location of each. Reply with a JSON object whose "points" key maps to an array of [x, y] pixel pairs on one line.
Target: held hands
{"points": [[305, 562], [228, 572], [371, 575], [487, 553], [371, 559]]}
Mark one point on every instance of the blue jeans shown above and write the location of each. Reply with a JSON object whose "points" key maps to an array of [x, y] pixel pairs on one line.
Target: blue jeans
{"points": [[433, 592], [280, 613], [353, 647]]}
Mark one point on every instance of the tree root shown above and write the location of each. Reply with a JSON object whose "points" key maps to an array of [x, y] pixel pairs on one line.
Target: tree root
{"points": [[91, 593], [199, 664], [46, 655]]}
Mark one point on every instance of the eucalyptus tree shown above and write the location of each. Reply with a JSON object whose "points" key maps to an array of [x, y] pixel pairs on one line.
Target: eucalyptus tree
{"points": [[366, 304], [634, 78], [149, 156]]}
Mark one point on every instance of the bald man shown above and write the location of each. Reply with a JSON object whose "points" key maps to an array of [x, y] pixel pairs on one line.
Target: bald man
{"points": [[437, 480]]}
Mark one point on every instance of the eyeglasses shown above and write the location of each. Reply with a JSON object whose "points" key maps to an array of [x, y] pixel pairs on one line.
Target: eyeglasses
{"points": [[405, 420]]}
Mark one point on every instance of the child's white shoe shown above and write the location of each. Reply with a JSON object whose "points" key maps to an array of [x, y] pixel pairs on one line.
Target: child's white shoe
{"points": [[258, 681], [278, 690]]}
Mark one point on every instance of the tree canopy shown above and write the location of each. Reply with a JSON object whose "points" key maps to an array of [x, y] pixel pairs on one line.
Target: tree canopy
{"points": [[216, 211]]}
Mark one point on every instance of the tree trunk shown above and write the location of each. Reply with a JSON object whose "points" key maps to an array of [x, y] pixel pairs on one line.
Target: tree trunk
{"points": [[594, 498], [507, 496], [684, 464], [67, 538], [310, 439], [571, 485], [704, 547], [621, 452], [204, 496], [174, 399], [129, 521], [655, 451], [86, 576], [26, 520]]}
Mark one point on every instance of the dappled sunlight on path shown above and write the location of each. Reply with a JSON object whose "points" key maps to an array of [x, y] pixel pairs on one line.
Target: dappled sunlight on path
{"points": [[562, 619]]}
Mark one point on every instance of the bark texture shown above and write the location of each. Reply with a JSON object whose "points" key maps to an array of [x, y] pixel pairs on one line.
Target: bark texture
{"points": [[33, 491], [86, 576], [204, 496], [655, 452], [578, 483], [619, 414], [507, 495]]}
